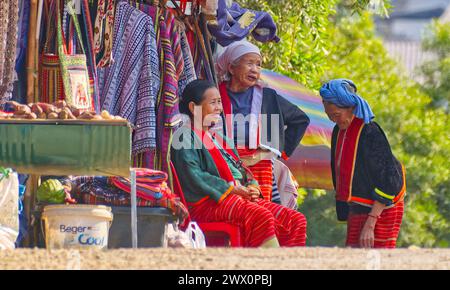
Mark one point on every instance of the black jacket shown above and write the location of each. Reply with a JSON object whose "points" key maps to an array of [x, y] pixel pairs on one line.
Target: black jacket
{"points": [[378, 175], [292, 122]]}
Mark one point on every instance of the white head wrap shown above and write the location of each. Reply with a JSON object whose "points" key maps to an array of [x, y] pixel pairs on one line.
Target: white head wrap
{"points": [[231, 54]]}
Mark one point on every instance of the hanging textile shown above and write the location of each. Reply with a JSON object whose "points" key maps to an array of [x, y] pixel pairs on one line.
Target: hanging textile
{"points": [[19, 92], [235, 23], [103, 33], [88, 38], [188, 74], [130, 85], [9, 18], [171, 63], [51, 87]]}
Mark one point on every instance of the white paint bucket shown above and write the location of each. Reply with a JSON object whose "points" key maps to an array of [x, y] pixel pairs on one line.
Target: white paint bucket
{"points": [[76, 226]]}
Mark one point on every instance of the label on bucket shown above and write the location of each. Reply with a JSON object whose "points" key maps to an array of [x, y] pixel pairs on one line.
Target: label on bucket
{"points": [[64, 232], [85, 236]]}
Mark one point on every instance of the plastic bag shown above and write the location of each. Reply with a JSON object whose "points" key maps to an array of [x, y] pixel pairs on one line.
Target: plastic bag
{"points": [[195, 235], [9, 209], [177, 238]]}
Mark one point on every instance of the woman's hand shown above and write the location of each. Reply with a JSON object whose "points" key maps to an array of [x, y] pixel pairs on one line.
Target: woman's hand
{"points": [[367, 237], [242, 191], [254, 192]]}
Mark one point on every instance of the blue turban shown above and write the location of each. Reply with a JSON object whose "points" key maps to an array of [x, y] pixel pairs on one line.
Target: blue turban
{"points": [[338, 92]]}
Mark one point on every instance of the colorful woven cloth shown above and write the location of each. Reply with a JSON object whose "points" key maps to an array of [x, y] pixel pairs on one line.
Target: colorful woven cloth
{"points": [[103, 191], [131, 84], [88, 38], [235, 23], [386, 231], [150, 184], [9, 18], [171, 64], [188, 74]]}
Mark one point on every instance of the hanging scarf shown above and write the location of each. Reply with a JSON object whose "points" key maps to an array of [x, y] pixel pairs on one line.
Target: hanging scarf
{"points": [[9, 18], [171, 63], [337, 92], [188, 74]]}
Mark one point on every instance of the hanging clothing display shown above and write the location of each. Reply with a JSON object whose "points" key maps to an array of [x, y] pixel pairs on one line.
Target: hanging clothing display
{"points": [[19, 92], [130, 85], [235, 23], [103, 32], [88, 38], [171, 64], [188, 74], [9, 19]]}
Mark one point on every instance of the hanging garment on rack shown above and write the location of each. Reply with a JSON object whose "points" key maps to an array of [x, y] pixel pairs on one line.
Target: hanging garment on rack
{"points": [[104, 33], [63, 72], [188, 74], [131, 83], [235, 23], [171, 61], [9, 18], [88, 38], [20, 90]]}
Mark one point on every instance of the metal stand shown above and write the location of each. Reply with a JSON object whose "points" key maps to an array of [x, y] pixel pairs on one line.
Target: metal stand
{"points": [[134, 237]]}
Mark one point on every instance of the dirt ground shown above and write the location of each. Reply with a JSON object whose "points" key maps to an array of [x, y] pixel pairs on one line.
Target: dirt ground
{"points": [[227, 259]]}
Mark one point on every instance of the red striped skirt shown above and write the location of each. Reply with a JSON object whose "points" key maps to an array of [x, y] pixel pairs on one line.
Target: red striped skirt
{"points": [[386, 231], [262, 171], [259, 221]]}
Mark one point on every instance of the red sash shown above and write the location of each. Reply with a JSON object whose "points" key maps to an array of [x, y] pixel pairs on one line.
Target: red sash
{"points": [[221, 164], [345, 158], [227, 110]]}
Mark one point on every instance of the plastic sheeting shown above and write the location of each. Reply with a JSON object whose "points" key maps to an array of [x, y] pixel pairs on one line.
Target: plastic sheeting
{"points": [[69, 147], [310, 163]]}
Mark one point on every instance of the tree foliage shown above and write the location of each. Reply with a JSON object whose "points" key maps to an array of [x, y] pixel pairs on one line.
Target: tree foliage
{"points": [[320, 42], [436, 72]]}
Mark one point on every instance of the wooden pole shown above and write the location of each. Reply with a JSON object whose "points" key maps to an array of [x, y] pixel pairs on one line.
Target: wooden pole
{"points": [[31, 53]]}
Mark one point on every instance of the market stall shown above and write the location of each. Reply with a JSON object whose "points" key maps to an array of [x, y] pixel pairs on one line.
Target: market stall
{"points": [[68, 147], [119, 67]]}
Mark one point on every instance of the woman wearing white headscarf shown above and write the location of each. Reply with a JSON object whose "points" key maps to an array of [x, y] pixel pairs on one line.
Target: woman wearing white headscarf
{"points": [[252, 112]]}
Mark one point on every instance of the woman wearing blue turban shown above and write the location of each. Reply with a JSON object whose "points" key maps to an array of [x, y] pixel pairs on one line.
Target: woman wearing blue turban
{"points": [[369, 181]]}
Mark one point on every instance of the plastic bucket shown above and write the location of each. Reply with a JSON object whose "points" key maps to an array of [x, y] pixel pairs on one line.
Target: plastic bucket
{"points": [[76, 226]]}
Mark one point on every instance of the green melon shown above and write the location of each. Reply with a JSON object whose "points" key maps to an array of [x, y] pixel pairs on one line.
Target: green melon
{"points": [[51, 191]]}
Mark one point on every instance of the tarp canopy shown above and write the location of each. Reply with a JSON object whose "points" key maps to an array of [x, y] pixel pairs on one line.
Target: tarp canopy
{"points": [[310, 163]]}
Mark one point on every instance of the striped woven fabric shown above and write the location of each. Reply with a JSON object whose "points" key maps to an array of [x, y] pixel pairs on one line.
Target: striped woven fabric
{"points": [[259, 222], [386, 229], [102, 191], [131, 84], [150, 184], [171, 64], [188, 74], [50, 79], [262, 171]]}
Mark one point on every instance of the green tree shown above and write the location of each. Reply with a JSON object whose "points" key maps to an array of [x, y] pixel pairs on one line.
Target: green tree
{"points": [[436, 72]]}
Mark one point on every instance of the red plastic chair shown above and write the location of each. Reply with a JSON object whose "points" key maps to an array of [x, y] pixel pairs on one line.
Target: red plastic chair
{"points": [[216, 233]]}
